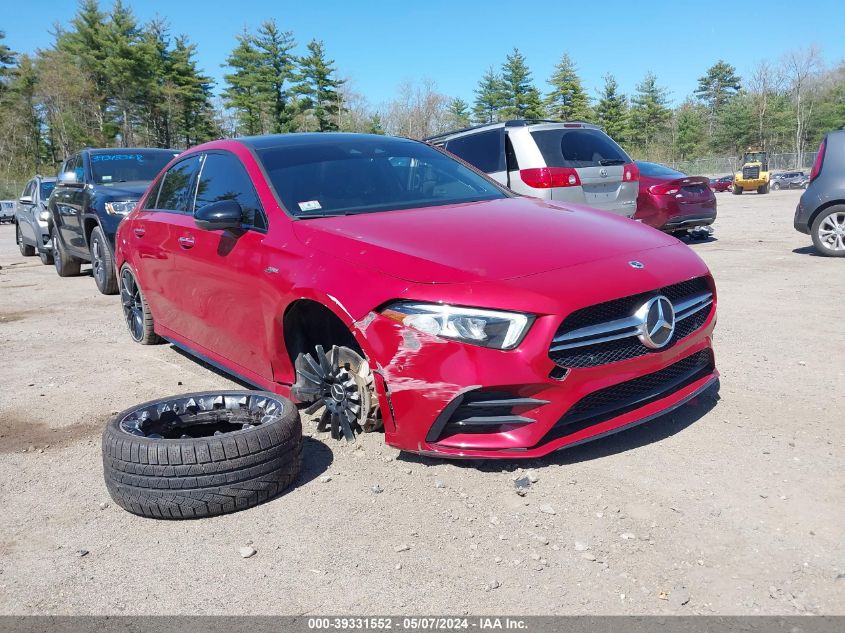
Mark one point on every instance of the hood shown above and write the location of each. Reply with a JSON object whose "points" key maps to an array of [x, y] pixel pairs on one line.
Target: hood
{"points": [[122, 190], [478, 241]]}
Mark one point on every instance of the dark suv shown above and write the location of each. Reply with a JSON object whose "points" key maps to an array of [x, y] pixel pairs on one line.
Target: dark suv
{"points": [[95, 189], [821, 210]]}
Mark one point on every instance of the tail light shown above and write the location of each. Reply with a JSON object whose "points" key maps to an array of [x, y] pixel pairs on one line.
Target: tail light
{"points": [[631, 172], [548, 177], [665, 188], [817, 164]]}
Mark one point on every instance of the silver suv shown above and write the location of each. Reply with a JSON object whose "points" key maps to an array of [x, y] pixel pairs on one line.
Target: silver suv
{"points": [[570, 162]]}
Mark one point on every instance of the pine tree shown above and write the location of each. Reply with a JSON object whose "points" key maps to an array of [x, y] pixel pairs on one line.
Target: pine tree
{"points": [[276, 73], [489, 98], [192, 92], [649, 114], [458, 111], [716, 88], [8, 58], [521, 97], [319, 87], [567, 100], [243, 92], [375, 126], [690, 130], [612, 110]]}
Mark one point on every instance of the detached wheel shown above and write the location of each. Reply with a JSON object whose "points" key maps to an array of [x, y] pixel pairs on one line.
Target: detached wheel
{"points": [[828, 232], [136, 311], [25, 249], [202, 454], [340, 382], [66, 266], [102, 263]]}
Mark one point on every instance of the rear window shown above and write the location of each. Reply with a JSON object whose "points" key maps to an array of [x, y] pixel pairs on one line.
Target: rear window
{"points": [[578, 147], [656, 170]]}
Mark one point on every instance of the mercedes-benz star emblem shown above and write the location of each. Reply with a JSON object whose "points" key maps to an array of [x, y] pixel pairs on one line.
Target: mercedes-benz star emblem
{"points": [[603, 172], [658, 322], [636, 264], [337, 392]]}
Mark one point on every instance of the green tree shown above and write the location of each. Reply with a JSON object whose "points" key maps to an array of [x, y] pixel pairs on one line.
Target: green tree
{"points": [[375, 126], [319, 86], [567, 100], [612, 110], [458, 111], [690, 130], [8, 58], [276, 73], [190, 91], [649, 114], [715, 89], [521, 97], [735, 127], [489, 98], [243, 92]]}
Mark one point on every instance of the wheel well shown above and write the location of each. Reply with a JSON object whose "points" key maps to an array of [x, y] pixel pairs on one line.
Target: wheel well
{"points": [[820, 210], [90, 225], [308, 323]]}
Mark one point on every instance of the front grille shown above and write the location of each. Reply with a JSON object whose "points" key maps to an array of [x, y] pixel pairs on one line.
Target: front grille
{"points": [[610, 402], [595, 354], [750, 173]]}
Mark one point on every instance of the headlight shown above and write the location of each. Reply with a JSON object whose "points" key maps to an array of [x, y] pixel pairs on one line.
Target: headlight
{"points": [[489, 328], [120, 208], [44, 216]]}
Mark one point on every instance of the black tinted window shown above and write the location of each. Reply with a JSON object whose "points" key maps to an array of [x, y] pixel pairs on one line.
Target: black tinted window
{"points": [[128, 165], [364, 175], [223, 177], [656, 170], [484, 150], [578, 147], [176, 190], [46, 189]]}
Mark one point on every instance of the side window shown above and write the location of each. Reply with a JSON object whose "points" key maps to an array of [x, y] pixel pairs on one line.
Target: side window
{"points": [[70, 165], [510, 155], [176, 190], [78, 168], [223, 177], [484, 150], [152, 199], [29, 190]]}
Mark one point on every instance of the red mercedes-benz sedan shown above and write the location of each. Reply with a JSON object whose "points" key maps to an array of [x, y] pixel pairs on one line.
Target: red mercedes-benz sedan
{"points": [[388, 284], [671, 201]]}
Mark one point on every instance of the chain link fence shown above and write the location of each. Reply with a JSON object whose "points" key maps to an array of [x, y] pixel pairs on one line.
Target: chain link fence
{"points": [[728, 165]]}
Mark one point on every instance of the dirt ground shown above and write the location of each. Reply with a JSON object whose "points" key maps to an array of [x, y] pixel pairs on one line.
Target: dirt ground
{"points": [[733, 507]]}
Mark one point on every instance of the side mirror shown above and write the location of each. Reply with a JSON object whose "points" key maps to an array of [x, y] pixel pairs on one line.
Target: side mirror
{"points": [[225, 214], [68, 178], [25, 200]]}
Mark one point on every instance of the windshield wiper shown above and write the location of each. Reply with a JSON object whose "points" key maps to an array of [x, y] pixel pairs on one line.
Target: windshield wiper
{"points": [[606, 162]]}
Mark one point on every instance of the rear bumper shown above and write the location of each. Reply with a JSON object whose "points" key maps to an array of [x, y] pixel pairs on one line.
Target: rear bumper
{"points": [[689, 221]]}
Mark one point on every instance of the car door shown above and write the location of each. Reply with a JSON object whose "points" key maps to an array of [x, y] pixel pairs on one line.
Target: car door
{"points": [[28, 212], [70, 206], [220, 272], [154, 232]]}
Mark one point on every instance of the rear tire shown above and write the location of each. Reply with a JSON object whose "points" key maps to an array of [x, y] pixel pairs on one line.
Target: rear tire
{"points": [[25, 249], [66, 265], [824, 233], [763, 189], [102, 263], [737, 190], [775, 186], [46, 257], [136, 311]]}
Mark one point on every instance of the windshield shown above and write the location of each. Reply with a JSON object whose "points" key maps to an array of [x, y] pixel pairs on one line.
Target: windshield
{"points": [[46, 189], [656, 170], [755, 157], [366, 175], [578, 147], [128, 166]]}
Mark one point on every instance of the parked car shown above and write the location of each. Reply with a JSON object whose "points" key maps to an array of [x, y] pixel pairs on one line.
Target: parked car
{"points": [[725, 183], [386, 282], [821, 210], [567, 162], [7, 211], [95, 189], [671, 201], [789, 180], [32, 231]]}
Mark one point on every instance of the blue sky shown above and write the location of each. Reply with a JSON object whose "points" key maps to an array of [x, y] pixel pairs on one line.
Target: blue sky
{"points": [[380, 44]]}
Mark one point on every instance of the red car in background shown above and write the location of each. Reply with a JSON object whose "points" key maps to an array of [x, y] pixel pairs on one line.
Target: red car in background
{"points": [[671, 201], [725, 183], [389, 284]]}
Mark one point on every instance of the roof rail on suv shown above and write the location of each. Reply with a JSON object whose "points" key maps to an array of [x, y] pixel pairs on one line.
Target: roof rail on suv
{"points": [[509, 123]]}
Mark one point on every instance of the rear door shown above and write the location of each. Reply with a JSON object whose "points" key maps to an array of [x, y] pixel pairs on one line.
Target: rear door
{"points": [[598, 162], [484, 150], [221, 280]]}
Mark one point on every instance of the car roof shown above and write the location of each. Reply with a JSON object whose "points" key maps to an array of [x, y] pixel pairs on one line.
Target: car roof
{"points": [[112, 150], [306, 138], [513, 123]]}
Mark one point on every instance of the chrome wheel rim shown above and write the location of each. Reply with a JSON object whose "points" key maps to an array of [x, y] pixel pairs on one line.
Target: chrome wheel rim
{"points": [[832, 231], [133, 309], [97, 261]]}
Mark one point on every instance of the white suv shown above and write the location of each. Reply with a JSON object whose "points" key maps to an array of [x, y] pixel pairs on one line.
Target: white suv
{"points": [[570, 162]]}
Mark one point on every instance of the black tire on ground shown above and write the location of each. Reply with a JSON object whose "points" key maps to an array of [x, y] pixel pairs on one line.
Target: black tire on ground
{"points": [[837, 215], [25, 249], [46, 257], [776, 186], [102, 263], [66, 265], [153, 470], [737, 191], [763, 188], [136, 310]]}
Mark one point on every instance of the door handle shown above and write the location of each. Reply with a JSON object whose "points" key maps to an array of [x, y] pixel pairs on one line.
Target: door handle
{"points": [[186, 242], [140, 231]]}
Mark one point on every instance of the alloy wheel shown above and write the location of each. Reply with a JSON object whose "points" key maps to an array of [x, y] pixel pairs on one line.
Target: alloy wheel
{"points": [[832, 231], [133, 309], [97, 264]]}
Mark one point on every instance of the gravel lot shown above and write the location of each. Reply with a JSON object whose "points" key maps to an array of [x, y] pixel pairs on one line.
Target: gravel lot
{"points": [[733, 507]]}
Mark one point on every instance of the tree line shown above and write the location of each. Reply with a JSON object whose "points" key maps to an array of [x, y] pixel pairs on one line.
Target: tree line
{"points": [[109, 80]]}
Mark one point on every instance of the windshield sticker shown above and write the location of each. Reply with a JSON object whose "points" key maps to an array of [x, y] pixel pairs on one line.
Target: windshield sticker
{"points": [[105, 178], [310, 205], [102, 157]]}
